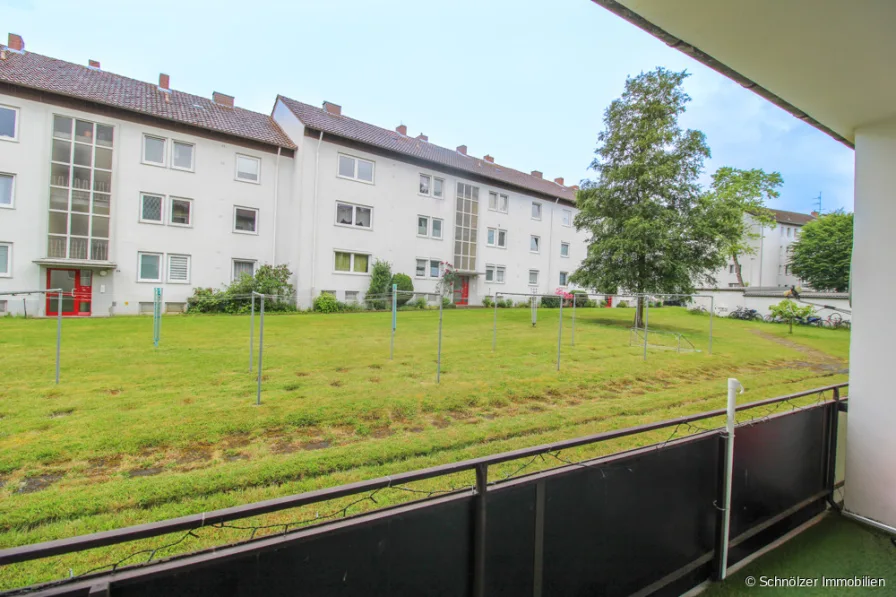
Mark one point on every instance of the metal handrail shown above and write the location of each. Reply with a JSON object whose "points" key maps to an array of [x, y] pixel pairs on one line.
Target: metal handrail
{"points": [[194, 521]]}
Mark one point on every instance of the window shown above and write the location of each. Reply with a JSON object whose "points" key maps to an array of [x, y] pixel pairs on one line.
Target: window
{"points": [[534, 244], [494, 273], [566, 217], [564, 249], [536, 210], [789, 232], [154, 150], [5, 260], [149, 267], [466, 226], [181, 212], [80, 187], [420, 272], [351, 262], [355, 168], [245, 220], [786, 270], [243, 267], [564, 278], [248, 168], [351, 296], [179, 269], [533, 277], [497, 202], [435, 268], [150, 208], [9, 123], [7, 184], [422, 226], [425, 184], [436, 228], [353, 215], [4, 307], [432, 186], [496, 238], [429, 227], [437, 188], [182, 159]]}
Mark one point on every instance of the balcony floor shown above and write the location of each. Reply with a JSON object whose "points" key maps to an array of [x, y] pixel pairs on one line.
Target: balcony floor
{"points": [[836, 547]]}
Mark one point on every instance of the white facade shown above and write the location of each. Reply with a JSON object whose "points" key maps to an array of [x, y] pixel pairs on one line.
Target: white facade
{"points": [[194, 239]]}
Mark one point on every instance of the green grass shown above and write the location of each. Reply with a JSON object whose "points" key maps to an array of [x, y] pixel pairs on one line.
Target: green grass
{"points": [[834, 548], [135, 434]]}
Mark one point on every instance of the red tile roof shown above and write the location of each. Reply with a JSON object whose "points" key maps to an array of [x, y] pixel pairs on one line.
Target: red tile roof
{"points": [[791, 217], [355, 130], [43, 73]]}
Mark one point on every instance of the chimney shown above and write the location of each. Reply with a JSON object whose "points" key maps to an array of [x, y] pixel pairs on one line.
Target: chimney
{"points": [[164, 81], [94, 64], [536, 174], [489, 159], [16, 43], [334, 109], [222, 99], [814, 214], [422, 137], [462, 149], [575, 187], [559, 181], [402, 129]]}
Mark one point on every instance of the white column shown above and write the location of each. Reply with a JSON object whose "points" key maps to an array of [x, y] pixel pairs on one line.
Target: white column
{"points": [[871, 429]]}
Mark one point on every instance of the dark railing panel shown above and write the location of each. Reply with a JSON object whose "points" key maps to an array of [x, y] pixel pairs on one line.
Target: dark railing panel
{"points": [[614, 530], [510, 541]]}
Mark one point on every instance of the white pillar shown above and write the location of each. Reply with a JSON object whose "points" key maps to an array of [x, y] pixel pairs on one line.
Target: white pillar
{"points": [[871, 427]]}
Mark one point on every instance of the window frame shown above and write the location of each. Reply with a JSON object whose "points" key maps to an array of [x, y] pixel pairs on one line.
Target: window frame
{"points": [[236, 168], [192, 167], [537, 239], [564, 279], [168, 278], [143, 160], [188, 201], [15, 126], [430, 226], [140, 277], [354, 207], [540, 210], [355, 177], [498, 196], [564, 244], [253, 209], [164, 200], [564, 213], [12, 191], [9, 260], [495, 269], [351, 264], [417, 261], [536, 272], [497, 244], [235, 260]]}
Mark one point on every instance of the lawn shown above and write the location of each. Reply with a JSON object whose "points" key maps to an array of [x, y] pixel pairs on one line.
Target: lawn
{"points": [[134, 433]]}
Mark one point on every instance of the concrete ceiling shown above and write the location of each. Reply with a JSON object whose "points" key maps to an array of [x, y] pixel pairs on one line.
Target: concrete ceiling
{"points": [[830, 62]]}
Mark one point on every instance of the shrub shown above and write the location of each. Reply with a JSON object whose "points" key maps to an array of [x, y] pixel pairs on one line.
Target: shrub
{"points": [[404, 282], [523, 305], [622, 304], [789, 311], [488, 302], [420, 302], [327, 303], [550, 302], [447, 304], [237, 298], [381, 275], [604, 303], [505, 303]]}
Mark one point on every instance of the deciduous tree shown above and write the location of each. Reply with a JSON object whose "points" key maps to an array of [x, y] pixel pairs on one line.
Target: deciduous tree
{"points": [[823, 254]]}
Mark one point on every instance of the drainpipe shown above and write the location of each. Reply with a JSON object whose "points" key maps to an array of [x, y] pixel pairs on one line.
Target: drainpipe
{"points": [[314, 216], [276, 200]]}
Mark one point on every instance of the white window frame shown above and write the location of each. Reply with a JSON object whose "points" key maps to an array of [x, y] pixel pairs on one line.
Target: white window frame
{"points": [[192, 167], [562, 244], [12, 192], [429, 227], [189, 224], [161, 220], [189, 268], [163, 163], [537, 239], [432, 229], [15, 128], [236, 168], [339, 156], [498, 197], [351, 264], [255, 209], [564, 279], [495, 269], [536, 272], [233, 263], [8, 273], [427, 269], [354, 207], [566, 214], [497, 244], [425, 261], [540, 210], [433, 187], [140, 277], [352, 299]]}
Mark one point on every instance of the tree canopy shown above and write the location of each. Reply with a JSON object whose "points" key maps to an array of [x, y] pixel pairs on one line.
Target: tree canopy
{"points": [[652, 229], [823, 254]]}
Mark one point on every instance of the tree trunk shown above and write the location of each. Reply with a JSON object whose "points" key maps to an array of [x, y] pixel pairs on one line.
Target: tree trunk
{"points": [[639, 313], [740, 278]]}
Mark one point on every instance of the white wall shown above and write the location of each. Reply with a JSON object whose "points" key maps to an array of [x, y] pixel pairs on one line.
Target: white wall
{"points": [[209, 241], [726, 301], [871, 428], [766, 265]]}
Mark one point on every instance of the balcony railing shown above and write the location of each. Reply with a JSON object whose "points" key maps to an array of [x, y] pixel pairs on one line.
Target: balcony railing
{"points": [[78, 248]]}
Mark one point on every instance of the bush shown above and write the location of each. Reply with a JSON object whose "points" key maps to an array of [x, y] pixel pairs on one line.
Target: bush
{"points": [[327, 303], [419, 302], [404, 282], [237, 298], [550, 302], [580, 297], [523, 305], [622, 304], [505, 303], [604, 303], [447, 304], [381, 275], [487, 302]]}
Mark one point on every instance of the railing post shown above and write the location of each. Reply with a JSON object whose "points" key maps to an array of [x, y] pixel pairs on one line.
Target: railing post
{"points": [[479, 530]]}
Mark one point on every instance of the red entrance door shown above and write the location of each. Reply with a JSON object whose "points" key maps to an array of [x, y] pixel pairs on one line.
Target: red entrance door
{"points": [[464, 297], [77, 286]]}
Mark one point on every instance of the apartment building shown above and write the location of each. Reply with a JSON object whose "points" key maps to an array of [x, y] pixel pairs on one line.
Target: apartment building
{"points": [[112, 187], [769, 263]]}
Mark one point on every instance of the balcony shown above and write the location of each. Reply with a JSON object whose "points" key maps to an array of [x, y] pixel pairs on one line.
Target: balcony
{"points": [[77, 252]]}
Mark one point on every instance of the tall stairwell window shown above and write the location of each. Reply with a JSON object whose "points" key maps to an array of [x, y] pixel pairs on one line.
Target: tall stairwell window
{"points": [[466, 224]]}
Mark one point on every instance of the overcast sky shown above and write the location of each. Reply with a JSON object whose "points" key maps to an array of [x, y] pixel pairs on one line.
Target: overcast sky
{"points": [[525, 81]]}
